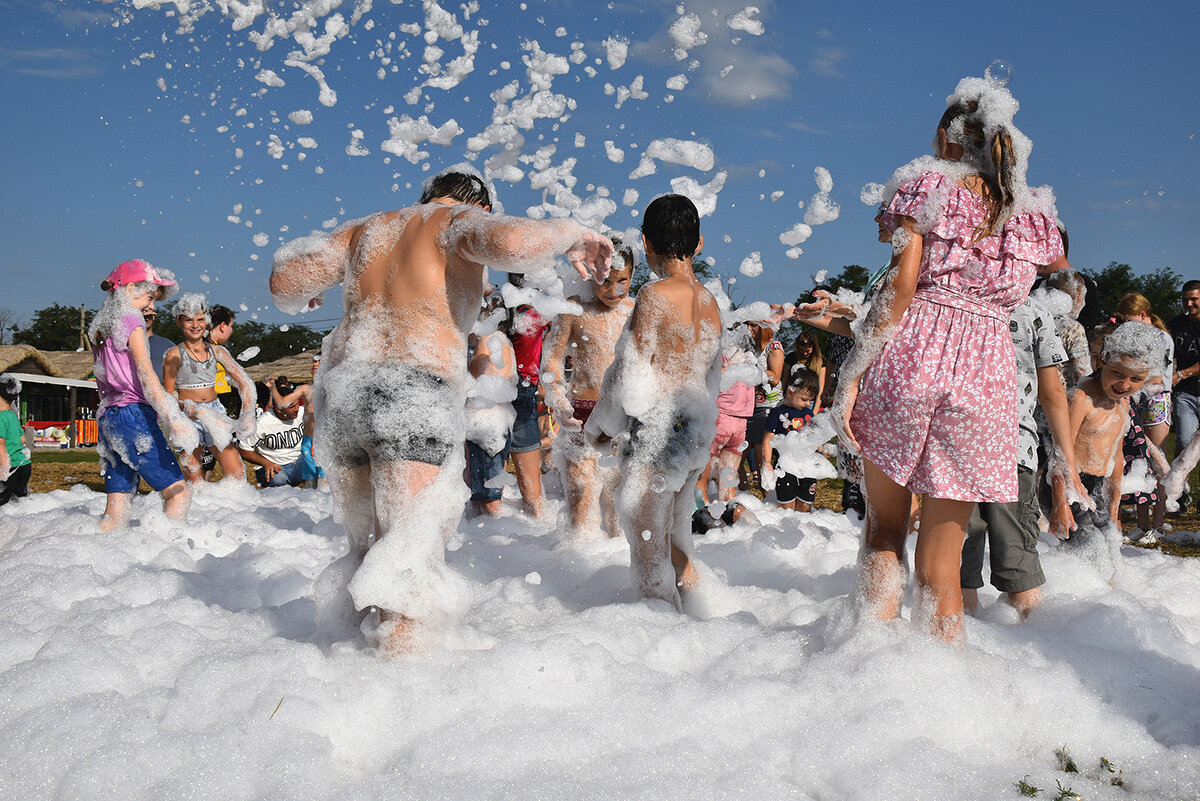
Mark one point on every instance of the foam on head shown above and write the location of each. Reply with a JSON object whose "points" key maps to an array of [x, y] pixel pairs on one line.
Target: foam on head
{"points": [[463, 183], [10, 387], [190, 304], [1138, 344]]}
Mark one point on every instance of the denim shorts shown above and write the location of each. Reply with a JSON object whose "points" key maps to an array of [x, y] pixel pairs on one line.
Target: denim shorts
{"points": [[482, 468], [217, 408], [526, 437], [138, 447]]}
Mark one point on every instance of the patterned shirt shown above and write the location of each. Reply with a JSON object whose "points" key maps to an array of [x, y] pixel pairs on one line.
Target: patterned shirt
{"points": [[1037, 345], [1079, 358]]}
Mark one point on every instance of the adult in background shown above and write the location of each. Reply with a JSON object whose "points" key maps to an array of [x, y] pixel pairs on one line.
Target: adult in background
{"points": [[158, 345], [276, 454], [1185, 331]]}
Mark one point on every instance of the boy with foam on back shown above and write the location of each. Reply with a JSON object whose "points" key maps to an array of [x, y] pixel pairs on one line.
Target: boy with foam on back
{"points": [[1099, 418], [590, 339], [658, 398], [393, 383]]}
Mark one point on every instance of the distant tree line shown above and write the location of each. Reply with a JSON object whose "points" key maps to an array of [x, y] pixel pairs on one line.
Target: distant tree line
{"points": [[56, 327]]}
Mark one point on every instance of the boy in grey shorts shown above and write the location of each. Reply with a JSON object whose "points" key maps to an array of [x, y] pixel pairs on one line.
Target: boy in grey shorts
{"points": [[1012, 528]]}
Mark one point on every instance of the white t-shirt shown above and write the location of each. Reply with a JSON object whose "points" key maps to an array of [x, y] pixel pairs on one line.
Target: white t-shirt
{"points": [[279, 440]]}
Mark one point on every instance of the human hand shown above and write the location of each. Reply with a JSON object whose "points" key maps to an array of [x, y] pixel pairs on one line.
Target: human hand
{"points": [[315, 303], [843, 408], [1062, 522], [591, 255], [768, 478], [269, 381], [269, 469]]}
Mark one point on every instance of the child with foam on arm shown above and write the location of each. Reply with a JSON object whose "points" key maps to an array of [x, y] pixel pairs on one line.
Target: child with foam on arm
{"points": [[393, 383], [658, 398], [796, 411], [590, 339], [1099, 419], [936, 411], [131, 444], [190, 373]]}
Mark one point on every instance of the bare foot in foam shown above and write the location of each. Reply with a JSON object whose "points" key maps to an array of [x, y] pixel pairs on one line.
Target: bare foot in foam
{"points": [[397, 634]]}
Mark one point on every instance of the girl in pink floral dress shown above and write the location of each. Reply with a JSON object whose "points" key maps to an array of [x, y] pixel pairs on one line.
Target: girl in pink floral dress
{"points": [[936, 412]]}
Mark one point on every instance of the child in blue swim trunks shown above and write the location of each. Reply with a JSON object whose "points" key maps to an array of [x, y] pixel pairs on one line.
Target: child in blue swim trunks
{"points": [[131, 444]]}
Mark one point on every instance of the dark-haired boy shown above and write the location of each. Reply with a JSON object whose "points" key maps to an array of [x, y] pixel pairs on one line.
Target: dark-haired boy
{"points": [[796, 411], [393, 383], [659, 397]]}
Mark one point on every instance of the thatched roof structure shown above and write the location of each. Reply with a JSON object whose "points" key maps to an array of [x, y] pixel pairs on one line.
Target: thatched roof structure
{"points": [[26, 359], [297, 367], [71, 364]]}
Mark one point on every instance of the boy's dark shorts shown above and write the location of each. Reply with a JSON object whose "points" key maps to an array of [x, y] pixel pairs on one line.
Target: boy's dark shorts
{"points": [[789, 488], [377, 423], [1012, 535]]}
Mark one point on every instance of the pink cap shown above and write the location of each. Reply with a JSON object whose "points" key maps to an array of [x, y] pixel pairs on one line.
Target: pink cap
{"points": [[132, 272]]}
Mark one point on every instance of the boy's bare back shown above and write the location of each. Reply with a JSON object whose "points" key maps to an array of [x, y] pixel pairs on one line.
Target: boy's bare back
{"points": [[677, 322]]}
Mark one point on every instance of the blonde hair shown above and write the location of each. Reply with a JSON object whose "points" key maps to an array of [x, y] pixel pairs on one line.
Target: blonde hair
{"points": [[1133, 303]]}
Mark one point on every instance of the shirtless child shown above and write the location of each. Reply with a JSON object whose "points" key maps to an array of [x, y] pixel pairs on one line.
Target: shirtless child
{"points": [[590, 339], [1099, 418], [658, 398], [393, 383]]}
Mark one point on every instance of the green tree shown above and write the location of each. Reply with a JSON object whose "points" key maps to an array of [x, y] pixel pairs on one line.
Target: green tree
{"points": [[54, 328], [1115, 281], [273, 343]]}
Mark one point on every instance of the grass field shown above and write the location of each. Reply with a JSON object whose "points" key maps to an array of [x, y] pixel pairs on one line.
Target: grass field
{"points": [[61, 469]]}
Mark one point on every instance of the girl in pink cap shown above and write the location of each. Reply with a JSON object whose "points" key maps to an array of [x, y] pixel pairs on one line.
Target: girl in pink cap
{"points": [[936, 413], [131, 444]]}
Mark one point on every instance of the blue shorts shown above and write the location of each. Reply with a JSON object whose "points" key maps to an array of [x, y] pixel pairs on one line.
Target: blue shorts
{"points": [[482, 468], [288, 475], [131, 434], [526, 436], [308, 466]]}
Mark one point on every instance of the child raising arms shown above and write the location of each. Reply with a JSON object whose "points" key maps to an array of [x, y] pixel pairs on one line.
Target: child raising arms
{"points": [[131, 444], [590, 338]]}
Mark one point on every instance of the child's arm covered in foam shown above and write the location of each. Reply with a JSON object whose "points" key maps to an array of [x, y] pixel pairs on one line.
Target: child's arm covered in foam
{"points": [[183, 434], [246, 421], [1079, 407], [895, 296], [554, 358], [1053, 399], [304, 268], [515, 244]]}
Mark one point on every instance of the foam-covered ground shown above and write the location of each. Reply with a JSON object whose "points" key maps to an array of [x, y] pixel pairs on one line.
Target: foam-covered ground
{"points": [[187, 661]]}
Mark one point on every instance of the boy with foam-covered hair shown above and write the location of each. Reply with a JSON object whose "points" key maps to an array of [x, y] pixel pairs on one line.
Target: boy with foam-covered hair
{"points": [[658, 401], [1099, 419], [589, 339], [393, 382]]}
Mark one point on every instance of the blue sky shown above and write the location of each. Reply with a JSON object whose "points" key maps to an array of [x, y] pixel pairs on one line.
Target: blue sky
{"points": [[104, 164]]}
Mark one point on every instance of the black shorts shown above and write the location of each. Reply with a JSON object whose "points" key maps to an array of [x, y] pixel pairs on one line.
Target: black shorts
{"points": [[789, 488], [392, 413]]}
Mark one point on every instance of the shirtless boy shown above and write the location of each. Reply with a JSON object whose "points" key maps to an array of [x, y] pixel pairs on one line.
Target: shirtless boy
{"points": [[393, 382], [590, 339], [1099, 417], [659, 398]]}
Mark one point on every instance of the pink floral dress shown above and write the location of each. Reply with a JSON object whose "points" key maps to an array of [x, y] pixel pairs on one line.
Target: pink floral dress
{"points": [[937, 410]]}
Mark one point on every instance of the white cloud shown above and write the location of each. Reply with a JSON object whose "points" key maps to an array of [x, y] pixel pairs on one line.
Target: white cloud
{"points": [[48, 62]]}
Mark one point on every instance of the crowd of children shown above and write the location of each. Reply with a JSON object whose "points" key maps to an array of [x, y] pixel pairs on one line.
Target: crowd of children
{"points": [[969, 409]]}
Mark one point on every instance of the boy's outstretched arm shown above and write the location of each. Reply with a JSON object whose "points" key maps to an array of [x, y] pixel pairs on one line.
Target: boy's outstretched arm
{"points": [[1079, 406], [515, 244], [1053, 398], [553, 360], [304, 268]]}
